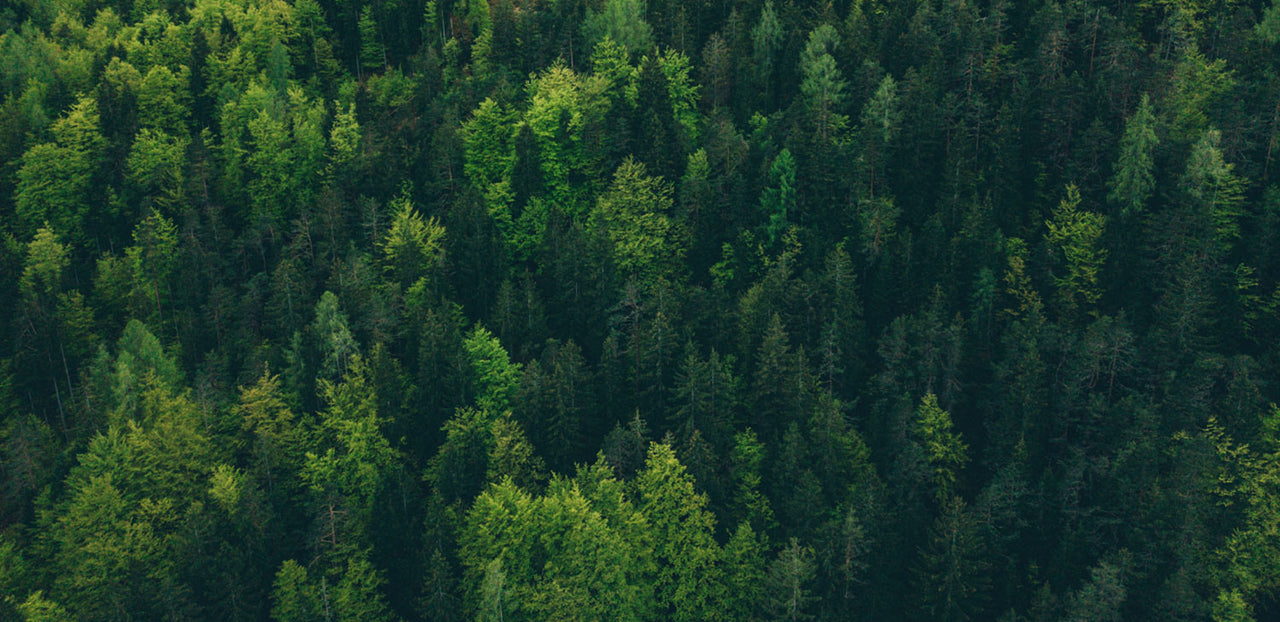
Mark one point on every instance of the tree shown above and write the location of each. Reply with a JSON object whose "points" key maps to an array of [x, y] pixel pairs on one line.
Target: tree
{"points": [[153, 259], [688, 577], [707, 395], [481, 447], [37, 608], [766, 38], [490, 158], [352, 457], [273, 435], [358, 595], [745, 574], [163, 100], [634, 214], [788, 583], [414, 246], [823, 87], [155, 167], [623, 22], [683, 93], [140, 362], [953, 578], [495, 379], [56, 179], [373, 55], [554, 402], [1214, 190], [344, 141], [1134, 178], [556, 557], [780, 390], [47, 258], [880, 122], [658, 136], [779, 197], [749, 506], [1074, 234], [943, 449], [333, 337], [1101, 598], [1197, 84], [294, 599], [26, 455]]}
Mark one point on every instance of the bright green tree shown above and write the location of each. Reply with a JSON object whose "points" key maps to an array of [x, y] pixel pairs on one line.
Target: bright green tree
{"points": [[623, 22], [689, 577], [55, 179], [944, 450], [414, 246], [635, 214], [1216, 192], [372, 53], [495, 378], [153, 258], [1074, 235], [37, 608], [293, 597], [353, 457], [333, 337]]}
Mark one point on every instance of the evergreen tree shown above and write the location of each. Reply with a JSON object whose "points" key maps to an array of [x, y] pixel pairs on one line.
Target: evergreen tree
{"points": [[1134, 178]]}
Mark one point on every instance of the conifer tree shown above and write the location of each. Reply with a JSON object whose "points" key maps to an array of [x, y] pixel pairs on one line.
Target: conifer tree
{"points": [[1134, 179]]}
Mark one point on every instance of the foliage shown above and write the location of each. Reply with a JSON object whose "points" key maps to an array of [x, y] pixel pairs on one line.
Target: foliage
{"points": [[611, 309]]}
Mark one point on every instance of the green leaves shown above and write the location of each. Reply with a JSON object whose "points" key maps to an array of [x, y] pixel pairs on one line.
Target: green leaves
{"points": [[823, 86], [944, 450], [488, 138], [1198, 84], [1074, 234], [635, 215], [54, 182], [688, 577], [293, 599], [353, 456], [333, 335], [1134, 178], [152, 258], [156, 165], [414, 246], [779, 197], [495, 378], [788, 583], [42, 271], [1216, 192], [354, 596], [623, 22]]}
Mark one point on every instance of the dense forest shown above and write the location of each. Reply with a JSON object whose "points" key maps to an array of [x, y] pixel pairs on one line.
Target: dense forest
{"points": [[639, 310]]}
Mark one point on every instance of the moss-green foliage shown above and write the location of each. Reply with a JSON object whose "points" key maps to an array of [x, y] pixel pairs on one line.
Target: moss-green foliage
{"points": [[639, 310]]}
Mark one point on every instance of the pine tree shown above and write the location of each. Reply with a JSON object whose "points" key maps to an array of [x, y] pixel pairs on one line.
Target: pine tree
{"points": [[779, 197], [688, 577], [1076, 235], [1134, 178], [372, 54], [943, 449], [952, 580], [789, 583]]}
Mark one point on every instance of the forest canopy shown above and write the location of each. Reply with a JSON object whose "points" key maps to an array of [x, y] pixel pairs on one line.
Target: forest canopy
{"points": [[400, 310]]}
